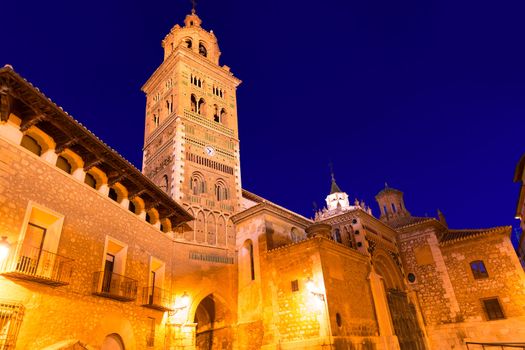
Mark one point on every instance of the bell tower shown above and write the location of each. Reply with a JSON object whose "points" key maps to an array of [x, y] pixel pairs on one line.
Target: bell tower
{"points": [[191, 142]]}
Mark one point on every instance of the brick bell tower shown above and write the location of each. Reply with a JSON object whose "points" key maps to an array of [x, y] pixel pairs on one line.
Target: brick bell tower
{"points": [[191, 142]]}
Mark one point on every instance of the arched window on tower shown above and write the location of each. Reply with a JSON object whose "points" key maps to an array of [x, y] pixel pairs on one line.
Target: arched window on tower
{"points": [[393, 207], [216, 116], [193, 103], [188, 43], [156, 120], [202, 50], [163, 185], [223, 115], [197, 184], [221, 191], [201, 107]]}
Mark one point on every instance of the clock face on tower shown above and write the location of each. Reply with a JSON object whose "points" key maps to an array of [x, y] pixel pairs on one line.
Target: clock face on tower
{"points": [[210, 151]]}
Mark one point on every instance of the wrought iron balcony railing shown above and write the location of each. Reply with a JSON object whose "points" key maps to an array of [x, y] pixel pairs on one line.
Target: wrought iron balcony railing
{"points": [[38, 265], [114, 286], [494, 346], [156, 298]]}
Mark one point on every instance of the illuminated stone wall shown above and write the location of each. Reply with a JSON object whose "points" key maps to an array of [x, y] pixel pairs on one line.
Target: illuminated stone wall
{"points": [[71, 313]]}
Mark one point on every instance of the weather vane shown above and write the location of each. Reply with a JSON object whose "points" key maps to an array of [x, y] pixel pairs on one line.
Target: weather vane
{"points": [[331, 169]]}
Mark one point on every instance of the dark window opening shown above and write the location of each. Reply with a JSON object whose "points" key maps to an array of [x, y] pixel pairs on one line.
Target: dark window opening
{"points": [[131, 207], [478, 269], [113, 194], [295, 286], [202, 50], [252, 264], [338, 319], [90, 181], [493, 309], [62, 163], [31, 144], [337, 236]]}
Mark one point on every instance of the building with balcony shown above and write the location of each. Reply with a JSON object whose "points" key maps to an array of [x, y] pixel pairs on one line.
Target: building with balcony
{"points": [[96, 254]]}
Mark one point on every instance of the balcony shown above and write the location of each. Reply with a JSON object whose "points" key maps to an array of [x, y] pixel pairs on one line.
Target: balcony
{"points": [[156, 298], [38, 265], [114, 286]]}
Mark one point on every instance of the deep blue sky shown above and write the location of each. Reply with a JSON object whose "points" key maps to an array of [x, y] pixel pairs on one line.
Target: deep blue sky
{"points": [[426, 95]]}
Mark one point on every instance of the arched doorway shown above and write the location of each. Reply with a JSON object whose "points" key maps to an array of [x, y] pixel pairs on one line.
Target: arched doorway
{"points": [[113, 342], [402, 310], [213, 330]]}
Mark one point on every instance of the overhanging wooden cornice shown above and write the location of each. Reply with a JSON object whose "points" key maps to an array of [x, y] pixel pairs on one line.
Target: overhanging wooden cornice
{"points": [[40, 111]]}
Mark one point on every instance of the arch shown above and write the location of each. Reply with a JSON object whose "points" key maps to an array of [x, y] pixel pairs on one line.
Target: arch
{"points": [[213, 321], [221, 231], [199, 227], [63, 164], [99, 175], [197, 183], [165, 225], [211, 237], [45, 141], [152, 216], [388, 269], [216, 115], [31, 145], [113, 342], [193, 100], [121, 192], [221, 191], [163, 184], [90, 181], [139, 204], [202, 50], [188, 43], [73, 159], [224, 115], [201, 106]]}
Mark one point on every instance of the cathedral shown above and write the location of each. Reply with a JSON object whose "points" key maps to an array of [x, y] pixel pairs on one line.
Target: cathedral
{"points": [[97, 254]]}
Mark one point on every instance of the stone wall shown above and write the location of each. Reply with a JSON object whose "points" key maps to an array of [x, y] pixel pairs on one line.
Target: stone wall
{"points": [[71, 311]]}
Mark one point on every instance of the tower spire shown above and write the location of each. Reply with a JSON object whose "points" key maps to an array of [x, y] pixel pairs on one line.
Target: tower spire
{"points": [[333, 188], [193, 5]]}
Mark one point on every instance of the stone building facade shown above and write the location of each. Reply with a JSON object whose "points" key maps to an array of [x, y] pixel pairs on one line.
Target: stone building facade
{"points": [[519, 176], [95, 254]]}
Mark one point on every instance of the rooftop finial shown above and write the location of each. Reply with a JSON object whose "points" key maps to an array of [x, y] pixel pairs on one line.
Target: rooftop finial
{"points": [[193, 5], [332, 170], [386, 185]]}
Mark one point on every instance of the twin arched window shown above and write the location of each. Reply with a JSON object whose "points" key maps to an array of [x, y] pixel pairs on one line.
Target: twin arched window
{"points": [[198, 106], [221, 191], [197, 184]]}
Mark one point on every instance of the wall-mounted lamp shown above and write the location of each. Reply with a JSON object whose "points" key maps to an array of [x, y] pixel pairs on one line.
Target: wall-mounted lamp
{"points": [[4, 248], [183, 304], [310, 286]]}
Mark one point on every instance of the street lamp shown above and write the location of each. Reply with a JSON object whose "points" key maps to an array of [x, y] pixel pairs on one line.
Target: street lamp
{"points": [[4, 248], [183, 304]]}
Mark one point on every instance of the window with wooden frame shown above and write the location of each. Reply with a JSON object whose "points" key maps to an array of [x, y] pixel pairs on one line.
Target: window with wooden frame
{"points": [[493, 309], [478, 269]]}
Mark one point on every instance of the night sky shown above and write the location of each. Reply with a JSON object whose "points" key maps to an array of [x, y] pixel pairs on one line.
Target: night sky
{"points": [[428, 96]]}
